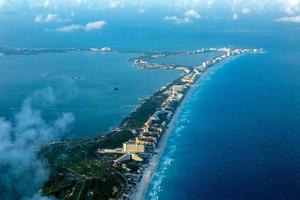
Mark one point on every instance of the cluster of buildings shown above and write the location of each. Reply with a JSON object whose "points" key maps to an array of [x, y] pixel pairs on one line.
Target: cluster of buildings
{"points": [[147, 138], [227, 52], [149, 135], [143, 64], [137, 150], [103, 49]]}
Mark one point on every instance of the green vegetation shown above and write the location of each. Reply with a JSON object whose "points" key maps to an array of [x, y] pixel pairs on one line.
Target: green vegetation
{"points": [[138, 118], [117, 139], [77, 172]]}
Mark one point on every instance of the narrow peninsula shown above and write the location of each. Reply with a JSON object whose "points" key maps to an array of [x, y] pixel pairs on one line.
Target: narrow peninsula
{"points": [[120, 164]]}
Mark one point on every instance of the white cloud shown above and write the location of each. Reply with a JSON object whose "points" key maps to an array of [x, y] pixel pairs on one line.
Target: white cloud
{"points": [[49, 18], [246, 11], [192, 14], [248, 6], [94, 25], [2, 3], [52, 17], [87, 27], [21, 139], [192, 4], [290, 6], [115, 4], [69, 28], [235, 17], [46, 4], [177, 20], [294, 19], [39, 19], [188, 17]]}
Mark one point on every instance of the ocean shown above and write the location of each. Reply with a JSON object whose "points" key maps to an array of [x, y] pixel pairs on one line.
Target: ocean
{"points": [[83, 84], [237, 135]]}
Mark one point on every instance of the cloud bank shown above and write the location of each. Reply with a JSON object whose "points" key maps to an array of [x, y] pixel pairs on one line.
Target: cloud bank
{"points": [[96, 25], [49, 18], [188, 17], [293, 19], [22, 173]]}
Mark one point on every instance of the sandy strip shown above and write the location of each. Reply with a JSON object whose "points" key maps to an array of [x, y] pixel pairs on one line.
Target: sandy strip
{"points": [[140, 190], [138, 193]]}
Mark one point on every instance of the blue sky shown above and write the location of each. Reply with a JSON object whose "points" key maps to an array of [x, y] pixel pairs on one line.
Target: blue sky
{"points": [[57, 23], [73, 15]]}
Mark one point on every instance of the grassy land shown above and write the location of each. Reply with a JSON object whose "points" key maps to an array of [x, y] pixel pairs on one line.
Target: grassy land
{"points": [[76, 172]]}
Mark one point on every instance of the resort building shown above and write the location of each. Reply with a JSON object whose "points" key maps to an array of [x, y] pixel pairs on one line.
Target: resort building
{"points": [[129, 157], [178, 88], [148, 141], [131, 147]]}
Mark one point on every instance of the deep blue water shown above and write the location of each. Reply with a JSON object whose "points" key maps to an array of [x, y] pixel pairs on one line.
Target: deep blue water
{"points": [[237, 136]]}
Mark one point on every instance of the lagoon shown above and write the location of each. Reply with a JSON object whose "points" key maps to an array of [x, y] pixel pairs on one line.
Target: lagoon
{"points": [[84, 84]]}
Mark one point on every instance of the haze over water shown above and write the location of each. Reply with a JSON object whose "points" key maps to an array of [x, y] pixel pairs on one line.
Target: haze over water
{"points": [[237, 135]]}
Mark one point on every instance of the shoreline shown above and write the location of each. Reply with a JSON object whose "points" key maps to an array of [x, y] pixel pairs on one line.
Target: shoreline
{"points": [[126, 158], [142, 186], [140, 190]]}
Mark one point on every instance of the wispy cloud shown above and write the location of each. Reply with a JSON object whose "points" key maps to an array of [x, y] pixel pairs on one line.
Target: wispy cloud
{"points": [[96, 25], [192, 14], [70, 28], [2, 3], [246, 11], [235, 17], [290, 6], [177, 20], [114, 4], [192, 4], [46, 3], [188, 17], [22, 172], [292, 19], [51, 17]]}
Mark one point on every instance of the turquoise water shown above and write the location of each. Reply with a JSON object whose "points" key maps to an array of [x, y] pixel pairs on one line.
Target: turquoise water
{"points": [[83, 83], [187, 60]]}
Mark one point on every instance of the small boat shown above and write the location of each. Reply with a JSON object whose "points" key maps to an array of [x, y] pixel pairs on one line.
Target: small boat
{"points": [[116, 89]]}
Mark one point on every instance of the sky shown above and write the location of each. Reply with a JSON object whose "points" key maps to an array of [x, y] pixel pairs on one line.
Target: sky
{"points": [[53, 23], [72, 15]]}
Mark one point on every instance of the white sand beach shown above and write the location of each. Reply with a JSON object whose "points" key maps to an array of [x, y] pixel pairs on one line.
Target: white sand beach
{"points": [[139, 191]]}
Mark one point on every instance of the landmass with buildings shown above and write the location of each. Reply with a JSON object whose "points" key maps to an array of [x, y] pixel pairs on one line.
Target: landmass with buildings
{"points": [[112, 166]]}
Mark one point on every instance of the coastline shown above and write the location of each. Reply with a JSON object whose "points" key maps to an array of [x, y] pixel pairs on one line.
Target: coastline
{"points": [[140, 190], [115, 161]]}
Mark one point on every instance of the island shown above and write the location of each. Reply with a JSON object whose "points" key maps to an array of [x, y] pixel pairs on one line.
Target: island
{"points": [[119, 164]]}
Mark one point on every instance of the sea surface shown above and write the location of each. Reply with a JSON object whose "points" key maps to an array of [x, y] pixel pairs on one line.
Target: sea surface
{"points": [[100, 89], [238, 133], [83, 83]]}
